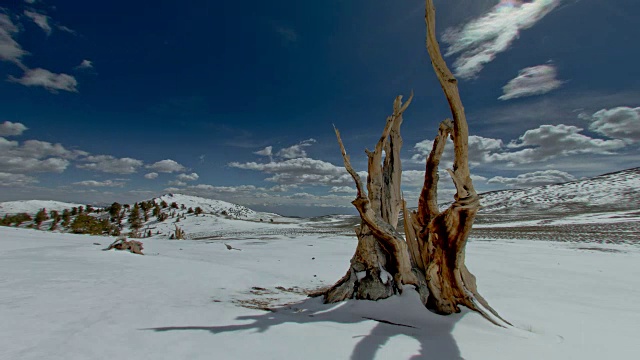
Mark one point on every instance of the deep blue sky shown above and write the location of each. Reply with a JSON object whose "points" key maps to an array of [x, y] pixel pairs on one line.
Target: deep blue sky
{"points": [[208, 84]]}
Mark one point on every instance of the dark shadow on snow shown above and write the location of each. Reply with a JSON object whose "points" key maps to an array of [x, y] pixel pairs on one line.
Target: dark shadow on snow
{"points": [[397, 316]]}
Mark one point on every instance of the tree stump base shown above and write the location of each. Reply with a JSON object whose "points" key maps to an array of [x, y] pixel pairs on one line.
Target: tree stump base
{"points": [[122, 243]]}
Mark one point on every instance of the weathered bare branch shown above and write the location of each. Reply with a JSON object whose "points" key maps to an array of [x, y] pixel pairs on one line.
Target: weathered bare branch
{"points": [[428, 202], [392, 168], [449, 85], [347, 165]]}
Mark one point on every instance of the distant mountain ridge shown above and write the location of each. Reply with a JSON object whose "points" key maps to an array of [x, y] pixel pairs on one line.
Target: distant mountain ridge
{"points": [[608, 192]]}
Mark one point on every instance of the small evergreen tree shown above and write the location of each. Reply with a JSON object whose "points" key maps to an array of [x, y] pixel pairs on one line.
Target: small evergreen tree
{"points": [[164, 204], [20, 218], [146, 206], [56, 219], [66, 217], [174, 205], [198, 210], [114, 211], [190, 211], [40, 217], [134, 219], [74, 211]]}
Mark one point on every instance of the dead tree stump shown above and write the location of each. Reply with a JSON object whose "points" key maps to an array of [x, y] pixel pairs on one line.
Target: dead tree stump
{"points": [[122, 243]]}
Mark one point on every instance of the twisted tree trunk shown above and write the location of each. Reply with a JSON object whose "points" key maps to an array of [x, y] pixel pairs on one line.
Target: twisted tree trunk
{"points": [[381, 262], [432, 256]]}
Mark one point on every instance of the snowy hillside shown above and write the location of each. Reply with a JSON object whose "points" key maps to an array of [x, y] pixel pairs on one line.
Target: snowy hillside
{"points": [[210, 206], [604, 209], [33, 206], [62, 297], [160, 217], [609, 192]]}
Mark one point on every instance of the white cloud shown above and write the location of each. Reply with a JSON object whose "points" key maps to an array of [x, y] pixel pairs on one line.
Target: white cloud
{"points": [[66, 29], [8, 179], [343, 189], [535, 80], [177, 183], [30, 1], [6, 145], [34, 156], [9, 128], [10, 50], [18, 164], [295, 151], [480, 149], [413, 178], [480, 40], [85, 65], [282, 188], [543, 143], [617, 123], [211, 189], [94, 183], [268, 151], [549, 141], [39, 19], [166, 166], [188, 177], [41, 149], [251, 195], [110, 164], [300, 171], [534, 178], [45, 78], [151, 175]]}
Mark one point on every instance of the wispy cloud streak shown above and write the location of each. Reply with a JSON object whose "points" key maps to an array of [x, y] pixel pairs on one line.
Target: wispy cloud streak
{"points": [[479, 41]]}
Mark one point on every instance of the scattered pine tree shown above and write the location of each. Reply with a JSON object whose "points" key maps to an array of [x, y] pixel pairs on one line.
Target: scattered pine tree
{"points": [[134, 220], [40, 217], [66, 217]]}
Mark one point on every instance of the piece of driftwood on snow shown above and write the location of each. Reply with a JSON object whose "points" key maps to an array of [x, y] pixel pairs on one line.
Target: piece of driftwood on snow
{"points": [[229, 247], [122, 243]]}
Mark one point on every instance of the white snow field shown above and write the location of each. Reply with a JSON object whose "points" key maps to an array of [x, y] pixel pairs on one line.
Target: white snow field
{"points": [[33, 206], [62, 297]]}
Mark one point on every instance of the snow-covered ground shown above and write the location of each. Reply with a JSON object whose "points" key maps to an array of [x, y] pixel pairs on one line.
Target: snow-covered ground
{"points": [[61, 297], [33, 206]]}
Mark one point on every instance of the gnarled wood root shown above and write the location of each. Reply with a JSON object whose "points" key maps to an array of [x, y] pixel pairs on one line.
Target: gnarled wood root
{"points": [[122, 243]]}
